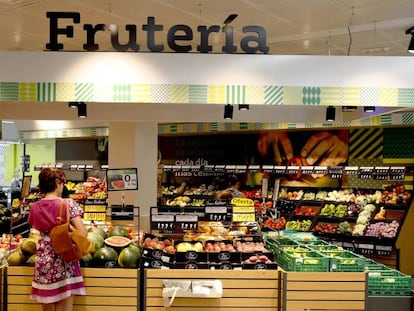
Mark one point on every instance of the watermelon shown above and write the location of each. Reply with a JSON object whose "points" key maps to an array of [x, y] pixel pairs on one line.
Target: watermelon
{"points": [[129, 257], [120, 231], [86, 260], [105, 257], [99, 231], [97, 241]]}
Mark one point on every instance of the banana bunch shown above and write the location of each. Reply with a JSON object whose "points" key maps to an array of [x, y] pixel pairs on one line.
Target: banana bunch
{"points": [[299, 225], [180, 201], [197, 202]]}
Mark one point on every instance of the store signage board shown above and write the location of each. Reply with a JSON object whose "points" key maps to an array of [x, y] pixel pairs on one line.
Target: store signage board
{"points": [[179, 36], [122, 179]]}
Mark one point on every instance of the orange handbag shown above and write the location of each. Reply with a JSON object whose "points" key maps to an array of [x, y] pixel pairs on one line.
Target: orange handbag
{"points": [[67, 241]]}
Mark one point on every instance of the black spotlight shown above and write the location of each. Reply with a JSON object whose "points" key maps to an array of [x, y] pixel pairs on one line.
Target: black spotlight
{"points": [[73, 104], [330, 113], [410, 31], [349, 108], [369, 109], [244, 107], [228, 112], [82, 113]]}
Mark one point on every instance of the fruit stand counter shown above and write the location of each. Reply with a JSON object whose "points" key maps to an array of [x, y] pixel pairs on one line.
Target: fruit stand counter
{"points": [[324, 290], [242, 289], [107, 289]]}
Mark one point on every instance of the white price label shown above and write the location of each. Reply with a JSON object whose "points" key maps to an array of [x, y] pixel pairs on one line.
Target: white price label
{"points": [[162, 218], [216, 209]]}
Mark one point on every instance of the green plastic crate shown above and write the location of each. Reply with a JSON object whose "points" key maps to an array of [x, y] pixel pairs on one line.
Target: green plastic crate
{"points": [[344, 261], [326, 248], [389, 283], [309, 261], [371, 265], [279, 249]]}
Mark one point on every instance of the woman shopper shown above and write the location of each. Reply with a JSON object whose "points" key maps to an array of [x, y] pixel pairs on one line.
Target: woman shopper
{"points": [[55, 282]]}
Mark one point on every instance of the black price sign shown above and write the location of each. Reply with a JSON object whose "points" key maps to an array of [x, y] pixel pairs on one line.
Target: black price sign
{"points": [[320, 170], [186, 222], [253, 168], [220, 168], [216, 213], [162, 222], [268, 168], [307, 170], [292, 170], [231, 168], [366, 172], [381, 172], [280, 170], [335, 172], [351, 170], [397, 173], [168, 168]]}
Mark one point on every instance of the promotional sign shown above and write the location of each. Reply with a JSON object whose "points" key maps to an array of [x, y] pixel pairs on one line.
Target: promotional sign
{"points": [[122, 179]]}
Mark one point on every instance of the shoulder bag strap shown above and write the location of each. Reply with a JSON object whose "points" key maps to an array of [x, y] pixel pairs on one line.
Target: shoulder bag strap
{"points": [[59, 218], [67, 211]]}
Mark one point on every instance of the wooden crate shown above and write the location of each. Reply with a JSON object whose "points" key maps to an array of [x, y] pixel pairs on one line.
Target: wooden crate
{"points": [[324, 290], [242, 290], [106, 289]]}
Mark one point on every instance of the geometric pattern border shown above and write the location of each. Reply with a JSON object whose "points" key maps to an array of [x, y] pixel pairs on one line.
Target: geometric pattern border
{"points": [[208, 94]]}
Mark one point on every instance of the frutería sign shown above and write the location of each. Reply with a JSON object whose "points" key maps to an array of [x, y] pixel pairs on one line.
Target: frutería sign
{"points": [[179, 37]]}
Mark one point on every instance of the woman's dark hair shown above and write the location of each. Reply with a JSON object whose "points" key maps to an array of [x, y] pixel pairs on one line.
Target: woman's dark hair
{"points": [[48, 177]]}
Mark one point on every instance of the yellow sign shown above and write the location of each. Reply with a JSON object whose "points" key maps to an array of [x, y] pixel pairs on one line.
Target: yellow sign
{"points": [[242, 202], [244, 217]]}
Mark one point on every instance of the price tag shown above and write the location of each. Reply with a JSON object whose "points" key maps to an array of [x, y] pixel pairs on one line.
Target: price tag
{"points": [[208, 168], [216, 209], [253, 168], [122, 179], [292, 170], [94, 216], [366, 246], [335, 172], [162, 218], [231, 168], [366, 172], [267, 168], [168, 168], [81, 167], [241, 168], [194, 168], [320, 170], [307, 170], [351, 170], [186, 222], [220, 168], [280, 170]]}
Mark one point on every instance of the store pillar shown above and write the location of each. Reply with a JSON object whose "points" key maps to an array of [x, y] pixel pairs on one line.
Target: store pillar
{"points": [[135, 144]]}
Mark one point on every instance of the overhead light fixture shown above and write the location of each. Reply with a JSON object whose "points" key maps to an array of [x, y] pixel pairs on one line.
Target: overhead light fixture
{"points": [[228, 112], [244, 107], [349, 108], [82, 113], [369, 109], [73, 104], [330, 113], [410, 31]]}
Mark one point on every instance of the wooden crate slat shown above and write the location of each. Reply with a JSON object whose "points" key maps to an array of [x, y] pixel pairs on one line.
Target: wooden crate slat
{"points": [[109, 273], [239, 292], [325, 295], [173, 308], [326, 276], [325, 285], [112, 283], [227, 283], [217, 302], [18, 289], [106, 301], [218, 274], [325, 305]]}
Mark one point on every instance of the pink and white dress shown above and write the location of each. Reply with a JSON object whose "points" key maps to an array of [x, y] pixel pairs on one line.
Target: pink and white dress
{"points": [[53, 278]]}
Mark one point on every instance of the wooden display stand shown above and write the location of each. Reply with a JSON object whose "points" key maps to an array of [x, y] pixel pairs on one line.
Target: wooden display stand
{"points": [[324, 290], [107, 289], [247, 289]]}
